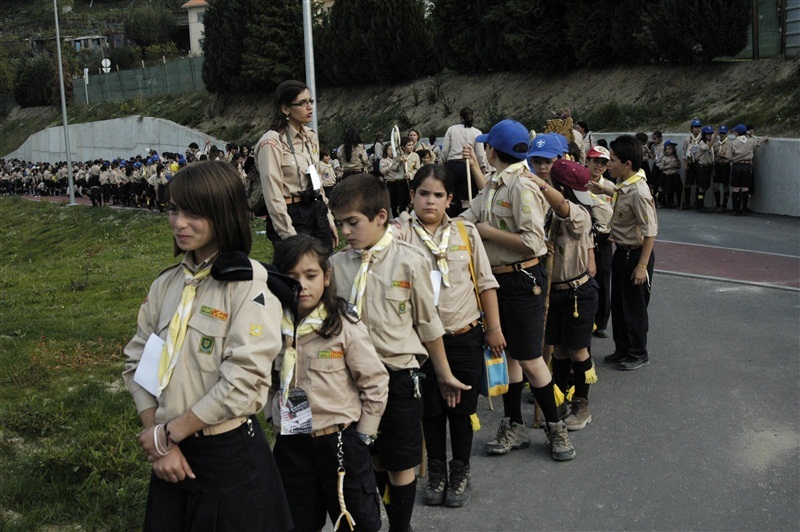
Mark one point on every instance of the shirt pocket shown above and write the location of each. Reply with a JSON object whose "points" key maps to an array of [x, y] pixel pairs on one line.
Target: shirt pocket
{"points": [[329, 378], [204, 343], [504, 216], [398, 303]]}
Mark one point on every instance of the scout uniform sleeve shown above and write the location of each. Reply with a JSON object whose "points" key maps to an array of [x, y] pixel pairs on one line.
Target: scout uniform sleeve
{"points": [[369, 374], [483, 268], [252, 344], [268, 161], [645, 212], [446, 144], [426, 319], [526, 204], [147, 324]]}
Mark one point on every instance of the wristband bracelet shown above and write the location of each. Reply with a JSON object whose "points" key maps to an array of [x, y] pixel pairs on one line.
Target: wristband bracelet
{"points": [[490, 329], [542, 189], [643, 266]]}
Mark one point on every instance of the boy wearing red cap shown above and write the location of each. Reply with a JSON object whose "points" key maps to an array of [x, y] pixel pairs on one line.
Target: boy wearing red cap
{"points": [[597, 162], [574, 292]]}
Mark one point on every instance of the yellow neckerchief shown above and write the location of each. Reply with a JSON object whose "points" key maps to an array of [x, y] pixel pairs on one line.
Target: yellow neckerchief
{"points": [[440, 251], [631, 180], [495, 184], [179, 324], [360, 282], [307, 325]]}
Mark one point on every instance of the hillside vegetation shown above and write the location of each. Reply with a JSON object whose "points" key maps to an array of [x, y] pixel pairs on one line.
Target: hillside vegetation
{"points": [[645, 98]]}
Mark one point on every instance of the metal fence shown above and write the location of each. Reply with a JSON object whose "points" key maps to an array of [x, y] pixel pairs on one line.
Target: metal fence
{"points": [[183, 75], [793, 28]]}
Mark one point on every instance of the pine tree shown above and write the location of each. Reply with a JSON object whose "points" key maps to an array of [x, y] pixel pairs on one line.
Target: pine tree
{"points": [[223, 41], [458, 34]]}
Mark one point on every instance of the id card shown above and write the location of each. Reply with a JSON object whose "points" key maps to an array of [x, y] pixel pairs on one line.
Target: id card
{"points": [[316, 183], [295, 412], [436, 281], [146, 374]]}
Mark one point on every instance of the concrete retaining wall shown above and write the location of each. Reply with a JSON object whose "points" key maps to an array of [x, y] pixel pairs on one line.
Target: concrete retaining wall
{"points": [[777, 173], [109, 139]]}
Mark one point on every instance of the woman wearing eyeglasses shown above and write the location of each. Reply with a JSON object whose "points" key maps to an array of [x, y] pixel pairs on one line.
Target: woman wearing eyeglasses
{"points": [[286, 158]]}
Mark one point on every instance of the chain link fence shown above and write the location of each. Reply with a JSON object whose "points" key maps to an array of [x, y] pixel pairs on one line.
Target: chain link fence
{"points": [[183, 75]]}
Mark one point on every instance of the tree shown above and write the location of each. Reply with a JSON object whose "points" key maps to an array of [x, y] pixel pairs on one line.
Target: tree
{"points": [[149, 24], [589, 31], [34, 83], [458, 34]]}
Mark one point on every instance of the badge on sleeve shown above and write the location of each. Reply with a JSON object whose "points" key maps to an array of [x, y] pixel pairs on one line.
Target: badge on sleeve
{"points": [[260, 300]]}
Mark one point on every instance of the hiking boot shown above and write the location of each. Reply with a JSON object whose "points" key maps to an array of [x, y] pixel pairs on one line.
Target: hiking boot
{"points": [[564, 409], [615, 357], [579, 415], [558, 440], [601, 333], [458, 488], [631, 363], [436, 488], [510, 436]]}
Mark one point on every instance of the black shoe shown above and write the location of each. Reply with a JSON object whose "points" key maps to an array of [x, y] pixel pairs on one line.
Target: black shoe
{"points": [[458, 485], [631, 363], [601, 333], [615, 357]]}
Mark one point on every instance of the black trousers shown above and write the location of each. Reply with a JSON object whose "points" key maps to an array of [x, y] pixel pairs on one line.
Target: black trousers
{"points": [[308, 219], [399, 195], [603, 257], [629, 303]]}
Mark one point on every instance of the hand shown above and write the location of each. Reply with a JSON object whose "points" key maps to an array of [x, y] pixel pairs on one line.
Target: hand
{"points": [[494, 338], [335, 234], [173, 467], [450, 387], [592, 269], [467, 153], [550, 247], [595, 187], [148, 444], [639, 275]]}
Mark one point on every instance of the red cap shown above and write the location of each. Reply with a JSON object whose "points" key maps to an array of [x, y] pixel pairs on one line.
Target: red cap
{"points": [[599, 152]]}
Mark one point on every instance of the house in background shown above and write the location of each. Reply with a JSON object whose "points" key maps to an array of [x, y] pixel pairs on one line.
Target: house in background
{"points": [[196, 11]]}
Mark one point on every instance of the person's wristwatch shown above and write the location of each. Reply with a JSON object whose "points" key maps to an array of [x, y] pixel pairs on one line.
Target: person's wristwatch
{"points": [[366, 438]]}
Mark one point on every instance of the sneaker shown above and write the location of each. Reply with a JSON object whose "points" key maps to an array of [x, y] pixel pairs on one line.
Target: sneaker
{"points": [[579, 415], [458, 486], [601, 333], [561, 448], [436, 488], [631, 363], [615, 357], [510, 436]]}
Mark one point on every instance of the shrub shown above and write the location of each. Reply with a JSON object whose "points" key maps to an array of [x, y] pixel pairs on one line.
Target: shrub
{"points": [[35, 82], [149, 24]]}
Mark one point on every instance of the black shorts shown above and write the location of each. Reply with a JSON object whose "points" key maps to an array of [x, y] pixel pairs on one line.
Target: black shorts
{"points": [[704, 176], [308, 469], [399, 443], [691, 173], [722, 173], [563, 328], [522, 311], [465, 356], [742, 175]]}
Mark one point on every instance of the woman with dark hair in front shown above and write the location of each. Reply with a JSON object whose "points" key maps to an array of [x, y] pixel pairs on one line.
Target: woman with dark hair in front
{"points": [[286, 156], [456, 139], [199, 366], [352, 155]]}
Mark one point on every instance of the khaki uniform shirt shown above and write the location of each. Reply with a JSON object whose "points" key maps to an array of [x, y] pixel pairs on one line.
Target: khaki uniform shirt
{"points": [[634, 214], [458, 306], [400, 165], [602, 212], [359, 160], [705, 153], [722, 151], [283, 174], [105, 177], [326, 174], [743, 148], [518, 207], [690, 147], [343, 378], [226, 358], [572, 242], [398, 301], [669, 164], [456, 138]]}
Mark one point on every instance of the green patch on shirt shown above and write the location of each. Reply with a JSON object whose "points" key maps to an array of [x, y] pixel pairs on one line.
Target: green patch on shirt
{"points": [[206, 345]]}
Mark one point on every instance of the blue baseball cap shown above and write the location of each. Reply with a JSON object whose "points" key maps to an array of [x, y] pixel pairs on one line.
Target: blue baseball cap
{"points": [[669, 143], [740, 129], [546, 145], [696, 123], [507, 136], [723, 129]]}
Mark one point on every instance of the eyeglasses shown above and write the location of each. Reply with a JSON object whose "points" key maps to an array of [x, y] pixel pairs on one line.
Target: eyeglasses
{"points": [[302, 103]]}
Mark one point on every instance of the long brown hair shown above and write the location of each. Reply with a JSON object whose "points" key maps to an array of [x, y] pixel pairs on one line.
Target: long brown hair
{"points": [[285, 94]]}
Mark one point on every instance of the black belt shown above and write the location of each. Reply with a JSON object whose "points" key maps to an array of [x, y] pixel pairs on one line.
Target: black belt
{"points": [[628, 248]]}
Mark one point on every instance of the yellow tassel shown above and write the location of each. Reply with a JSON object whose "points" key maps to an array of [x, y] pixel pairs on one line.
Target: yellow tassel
{"points": [[476, 423], [590, 376], [570, 393], [559, 395], [386, 499]]}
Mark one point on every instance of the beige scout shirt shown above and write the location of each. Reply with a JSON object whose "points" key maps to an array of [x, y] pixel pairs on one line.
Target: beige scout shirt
{"points": [[358, 162], [225, 362], [326, 174], [398, 301], [456, 138], [519, 207], [283, 174], [343, 378], [573, 240], [705, 153], [744, 147], [722, 151], [634, 215], [458, 306], [400, 165]]}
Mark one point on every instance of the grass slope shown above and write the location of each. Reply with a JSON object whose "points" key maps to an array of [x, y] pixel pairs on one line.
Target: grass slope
{"points": [[71, 282]]}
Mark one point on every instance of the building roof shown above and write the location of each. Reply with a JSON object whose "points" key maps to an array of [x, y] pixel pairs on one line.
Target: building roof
{"points": [[195, 3]]}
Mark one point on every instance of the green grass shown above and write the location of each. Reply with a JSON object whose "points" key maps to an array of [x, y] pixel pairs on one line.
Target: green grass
{"points": [[71, 282]]}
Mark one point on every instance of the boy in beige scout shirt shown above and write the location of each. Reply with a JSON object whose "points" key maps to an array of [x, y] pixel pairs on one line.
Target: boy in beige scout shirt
{"points": [[388, 282], [633, 230]]}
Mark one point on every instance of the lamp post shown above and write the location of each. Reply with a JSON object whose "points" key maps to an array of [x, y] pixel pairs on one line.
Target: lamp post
{"points": [[64, 108], [309, 46]]}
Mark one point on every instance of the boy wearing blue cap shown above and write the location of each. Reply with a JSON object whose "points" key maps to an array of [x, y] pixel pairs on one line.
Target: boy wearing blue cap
{"points": [[690, 162], [722, 168], [509, 215], [743, 148], [544, 151]]}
